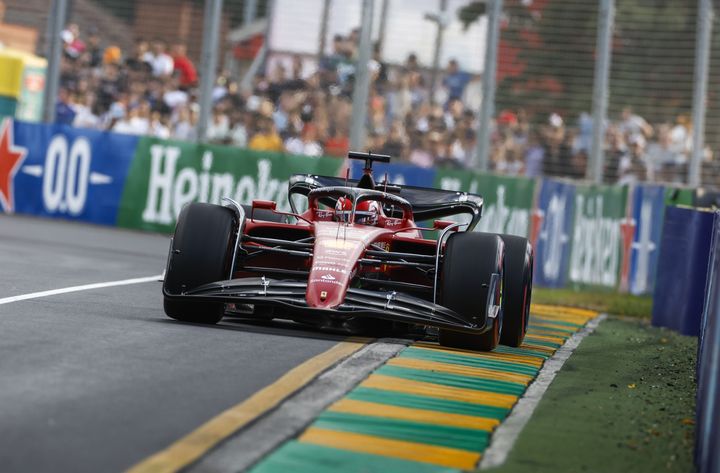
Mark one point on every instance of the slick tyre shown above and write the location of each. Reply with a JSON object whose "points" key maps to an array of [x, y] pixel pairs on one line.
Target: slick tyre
{"points": [[202, 251], [518, 289], [470, 261]]}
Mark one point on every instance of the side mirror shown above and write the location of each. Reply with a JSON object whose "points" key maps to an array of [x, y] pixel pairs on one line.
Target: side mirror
{"points": [[442, 224], [264, 204]]}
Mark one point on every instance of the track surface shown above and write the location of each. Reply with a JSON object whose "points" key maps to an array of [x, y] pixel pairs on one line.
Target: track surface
{"points": [[98, 380]]}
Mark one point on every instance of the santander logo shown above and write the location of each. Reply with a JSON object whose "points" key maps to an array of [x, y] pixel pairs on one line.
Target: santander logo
{"points": [[328, 277]]}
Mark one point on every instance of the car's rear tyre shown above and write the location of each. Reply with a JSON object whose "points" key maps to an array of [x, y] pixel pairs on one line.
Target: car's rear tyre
{"points": [[202, 251], [518, 289], [469, 263]]}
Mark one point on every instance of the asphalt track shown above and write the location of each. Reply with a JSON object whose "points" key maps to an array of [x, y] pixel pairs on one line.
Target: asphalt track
{"points": [[98, 380]]}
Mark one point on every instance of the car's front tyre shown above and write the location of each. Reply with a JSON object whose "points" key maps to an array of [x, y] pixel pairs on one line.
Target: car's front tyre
{"points": [[471, 285], [201, 252]]}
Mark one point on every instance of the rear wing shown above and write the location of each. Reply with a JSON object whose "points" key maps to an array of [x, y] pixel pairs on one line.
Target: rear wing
{"points": [[427, 203]]}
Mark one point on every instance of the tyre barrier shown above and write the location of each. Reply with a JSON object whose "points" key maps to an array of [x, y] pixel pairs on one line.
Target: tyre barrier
{"points": [[707, 434]]}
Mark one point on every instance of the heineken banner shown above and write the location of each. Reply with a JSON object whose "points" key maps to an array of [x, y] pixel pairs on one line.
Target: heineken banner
{"points": [[507, 200], [598, 230], [166, 175], [552, 231]]}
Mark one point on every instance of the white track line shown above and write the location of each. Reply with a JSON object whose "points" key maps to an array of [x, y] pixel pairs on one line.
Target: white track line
{"points": [[506, 434], [85, 287]]}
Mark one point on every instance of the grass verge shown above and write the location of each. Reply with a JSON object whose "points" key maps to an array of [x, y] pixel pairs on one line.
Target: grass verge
{"points": [[606, 302], [624, 401]]}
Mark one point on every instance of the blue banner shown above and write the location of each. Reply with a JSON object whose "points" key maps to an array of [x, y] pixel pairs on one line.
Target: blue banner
{"points": [[401, 174], [648, 211], [682, 269], [552, 233], [60, 171]]}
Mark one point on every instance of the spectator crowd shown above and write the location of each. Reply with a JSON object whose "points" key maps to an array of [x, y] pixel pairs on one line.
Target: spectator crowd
{"points": [[306, 110]]}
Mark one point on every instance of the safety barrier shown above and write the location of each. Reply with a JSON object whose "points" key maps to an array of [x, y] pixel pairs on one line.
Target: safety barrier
{"points": [[707, 455], [682, 270], [605, 236]]}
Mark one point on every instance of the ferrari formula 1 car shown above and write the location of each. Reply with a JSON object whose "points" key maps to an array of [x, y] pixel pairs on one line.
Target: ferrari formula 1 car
{"points": [[356, 260]]}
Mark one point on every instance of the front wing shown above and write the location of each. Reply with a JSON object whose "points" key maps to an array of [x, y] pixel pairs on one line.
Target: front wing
{"points": [[392, 305]]}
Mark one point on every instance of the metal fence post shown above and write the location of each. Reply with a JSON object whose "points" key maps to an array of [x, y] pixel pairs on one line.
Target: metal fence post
{"points": [[249, 11], [322, 40], [361, 90], [487, 107], [606, 23], [383, 24], [56, 22], [702, 60], [439, 19], [209, 60]]}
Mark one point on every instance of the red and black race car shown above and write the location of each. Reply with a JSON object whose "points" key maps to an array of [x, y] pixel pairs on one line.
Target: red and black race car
{"points": [[356, 260]]}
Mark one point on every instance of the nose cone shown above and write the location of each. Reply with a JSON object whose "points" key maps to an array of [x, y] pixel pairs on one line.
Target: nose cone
{"points": [[333, 264]]}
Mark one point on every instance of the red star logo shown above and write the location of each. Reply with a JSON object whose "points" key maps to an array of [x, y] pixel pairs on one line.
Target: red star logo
{"points": [[11, 157]]}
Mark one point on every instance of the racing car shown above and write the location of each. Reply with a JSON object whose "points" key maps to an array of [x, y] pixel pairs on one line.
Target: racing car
{"points": [[354, 256]]}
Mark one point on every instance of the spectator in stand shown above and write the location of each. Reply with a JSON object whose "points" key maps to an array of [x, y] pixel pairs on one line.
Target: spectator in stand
{"points": [[218, 130], [681, 139], [337, 143], [306, 144], [240, 124], [267, 137], [615, 154], [632, 124], [64, 111], [185, 122], [160, 61], [660, 153], [455, 80], [420, 154], [633, 168], [557, 151], [184, 67], [534, 155], [396, 143], [94, 49], [73, 46], [155, 94]]}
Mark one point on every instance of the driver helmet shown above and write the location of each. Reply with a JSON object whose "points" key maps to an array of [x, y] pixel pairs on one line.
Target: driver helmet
{"points": [[366, 212], [371, 211]]}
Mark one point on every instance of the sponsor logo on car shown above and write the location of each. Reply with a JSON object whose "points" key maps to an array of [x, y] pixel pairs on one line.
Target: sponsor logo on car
{"points": [[330, 268], [328, 277], [326, 281]]}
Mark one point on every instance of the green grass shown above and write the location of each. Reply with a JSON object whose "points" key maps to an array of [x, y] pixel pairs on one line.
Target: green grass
{"points": [[624, 401], [607, 302]]}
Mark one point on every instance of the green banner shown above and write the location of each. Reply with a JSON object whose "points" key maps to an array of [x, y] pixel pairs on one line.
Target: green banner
{"points": [[597, 241], [507, 200], [166, 175]]}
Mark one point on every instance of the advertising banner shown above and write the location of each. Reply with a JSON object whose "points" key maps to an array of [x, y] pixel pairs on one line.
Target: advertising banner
{"points": [[597, 241], [553, 220], [648, 211], [166, 175], [59, 171], [507, 200]]}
